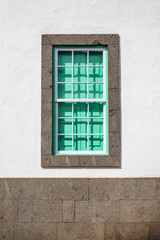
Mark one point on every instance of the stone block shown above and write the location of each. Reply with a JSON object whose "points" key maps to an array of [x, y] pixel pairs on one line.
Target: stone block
{"points": [[113, 77], [114, 121], [46, 99], [114, 144], [46, 76], [69, 189], [24, 211], [113, 55], [139, 210], [138, 188], [60, 161], [132, 231], [157, 188], [46, 123], [109, 231], [47, 55], [46, 143], [97, 211], [45, 40], [114, 99], [155, 231], [68, 211], [8, 211], [105, 189], [2, 189], [80, 231], [35, 231], [114, 40], [47, 211], [6, 231]]}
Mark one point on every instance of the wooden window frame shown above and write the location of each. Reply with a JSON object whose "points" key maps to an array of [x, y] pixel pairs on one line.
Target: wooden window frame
{"points": [[111, 41]]}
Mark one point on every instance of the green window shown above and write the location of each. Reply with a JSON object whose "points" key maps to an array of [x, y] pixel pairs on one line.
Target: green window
{"points": [[80, 100]]}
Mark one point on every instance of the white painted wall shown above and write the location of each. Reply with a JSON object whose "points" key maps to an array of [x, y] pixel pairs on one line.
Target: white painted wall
{"points": [[21, 24]]}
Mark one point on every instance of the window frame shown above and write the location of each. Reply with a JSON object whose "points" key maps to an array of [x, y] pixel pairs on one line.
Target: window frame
{"points": [[103, 49], [111, 41]]}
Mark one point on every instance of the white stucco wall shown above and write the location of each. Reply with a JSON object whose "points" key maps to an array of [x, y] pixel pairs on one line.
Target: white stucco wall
{"points": [[21, 24]]}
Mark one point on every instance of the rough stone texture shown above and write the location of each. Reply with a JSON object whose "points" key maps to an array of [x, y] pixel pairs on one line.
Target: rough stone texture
{"points": [[132, 231], [157, 188], [6, 231], [114, 147], [8, 211], [47, 211], [24, 211], [80, 231], [138, 188], [139, 211], [97, 211], [2, 189], [114, 121], [46, 121], [35, 231], [68, 211], [155, 231], [105, 189], [46, 143], [109, 231], [110, 40]]}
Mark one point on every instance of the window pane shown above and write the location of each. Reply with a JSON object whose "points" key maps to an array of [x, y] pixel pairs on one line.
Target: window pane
{"points": [[95, 58], [95, 125], [80, 74], [95, 143], [96, 74], [95, 109], [80, 143], [64, 91], [65, 58], [80, 91], [64, 74], [64, 143], [80, 109], [64, 109], [80, 58], [80, 125], [65, 126], [95, 90]]}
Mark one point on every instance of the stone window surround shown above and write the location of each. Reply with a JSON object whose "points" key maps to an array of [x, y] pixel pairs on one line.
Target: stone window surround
{"points": [[112, 42]]}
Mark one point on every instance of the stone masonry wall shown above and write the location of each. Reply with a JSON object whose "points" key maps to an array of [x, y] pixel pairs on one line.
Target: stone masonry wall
{"points": [[80, 209]]}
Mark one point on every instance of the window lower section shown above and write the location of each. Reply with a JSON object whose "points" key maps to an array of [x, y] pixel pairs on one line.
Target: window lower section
{"points": [[80, 101]]}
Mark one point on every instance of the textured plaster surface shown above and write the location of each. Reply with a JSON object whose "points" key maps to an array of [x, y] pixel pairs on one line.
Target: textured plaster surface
{"points": [[23, 22]]}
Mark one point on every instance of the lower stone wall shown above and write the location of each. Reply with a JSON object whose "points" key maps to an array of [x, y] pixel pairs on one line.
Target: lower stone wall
{"points": [[80, 209]]}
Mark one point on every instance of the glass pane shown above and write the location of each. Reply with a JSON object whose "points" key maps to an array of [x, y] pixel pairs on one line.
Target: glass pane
{"points": [[95, 58], [80, 109], [64, 143], [64, 109], [80, 91], [64, 74], [65, 58], [95, 90], [95, 125], [96, 74], [64, 91], [95, 109], [79, 74], [80, 58], [80, 125], [95, 143], [80, 143], [65, 126]]}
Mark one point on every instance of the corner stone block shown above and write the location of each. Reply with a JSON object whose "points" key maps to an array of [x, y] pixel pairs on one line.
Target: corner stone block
{"points": [[139, 211], [138, 188], [6, 231], [45, 40], [105, 189], [132, 231], [47, 211], [80, 231], [97, 211], [8, 211], [35, 231], [114, 39], [24, 211], [68, 211]]}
